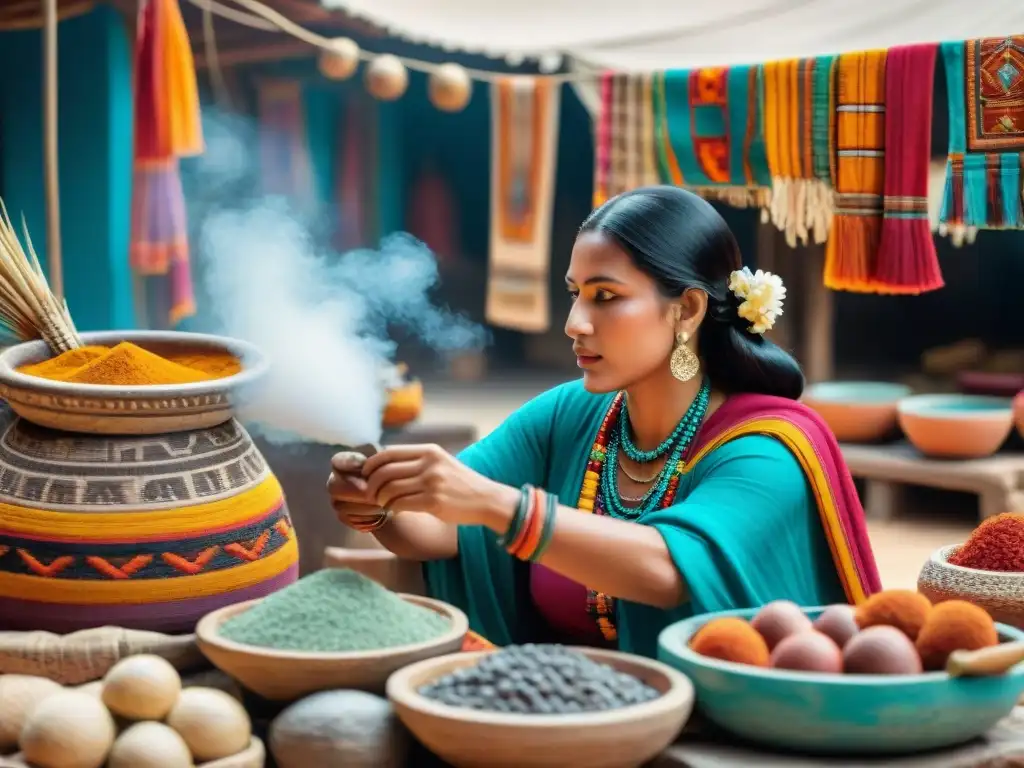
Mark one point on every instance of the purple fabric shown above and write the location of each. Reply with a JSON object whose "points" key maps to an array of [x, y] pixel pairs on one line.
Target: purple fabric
{"points": [[562, 603], [177, 616]]}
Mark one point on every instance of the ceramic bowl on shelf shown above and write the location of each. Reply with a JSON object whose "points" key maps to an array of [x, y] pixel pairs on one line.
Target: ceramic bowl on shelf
{"points": [[617, 738], [289, 675], [956, 426], [857, 411], [1018, 412], [131, 410], [1001, 593], [841, 714]]}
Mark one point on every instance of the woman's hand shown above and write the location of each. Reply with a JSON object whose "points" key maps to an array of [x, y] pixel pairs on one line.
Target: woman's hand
{"points": [[426, 478], [347, 489]]}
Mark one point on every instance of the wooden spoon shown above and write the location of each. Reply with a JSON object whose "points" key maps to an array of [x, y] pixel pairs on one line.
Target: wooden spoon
{"points": [[995, 660]]}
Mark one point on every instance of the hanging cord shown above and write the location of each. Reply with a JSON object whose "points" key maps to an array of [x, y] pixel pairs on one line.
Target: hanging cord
{"points": [[221, 93], [263, 17]]}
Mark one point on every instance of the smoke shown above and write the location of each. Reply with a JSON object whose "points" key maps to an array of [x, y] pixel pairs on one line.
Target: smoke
{"points": [[322, 318]]}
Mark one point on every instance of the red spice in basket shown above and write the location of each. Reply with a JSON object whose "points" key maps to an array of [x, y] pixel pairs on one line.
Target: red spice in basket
{"points": [[995, 545]]}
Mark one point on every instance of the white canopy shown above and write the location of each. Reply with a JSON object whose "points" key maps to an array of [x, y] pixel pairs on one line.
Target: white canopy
{"points": [[648, 35]]}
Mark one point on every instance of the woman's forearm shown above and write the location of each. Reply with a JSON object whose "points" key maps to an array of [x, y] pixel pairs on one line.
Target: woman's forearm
{"points": [[418, 536], [617, 558]]}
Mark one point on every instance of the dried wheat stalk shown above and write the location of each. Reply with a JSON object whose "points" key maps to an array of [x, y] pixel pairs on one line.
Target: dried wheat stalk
{"points": [[28, 307]]}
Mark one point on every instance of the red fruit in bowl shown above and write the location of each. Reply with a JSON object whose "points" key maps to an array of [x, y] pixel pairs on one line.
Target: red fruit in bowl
{"points": [[838, 622], [778, 620], [808, 651]]}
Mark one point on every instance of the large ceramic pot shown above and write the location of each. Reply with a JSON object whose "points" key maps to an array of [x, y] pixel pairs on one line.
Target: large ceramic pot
{"points": [[998, 592], [143, 531], [857, 411]]}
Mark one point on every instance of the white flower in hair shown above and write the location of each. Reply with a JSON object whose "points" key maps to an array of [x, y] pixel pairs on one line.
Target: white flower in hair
{"points": [[761, 295]]}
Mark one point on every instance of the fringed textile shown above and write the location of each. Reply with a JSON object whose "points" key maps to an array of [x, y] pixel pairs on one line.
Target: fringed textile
{"points": [[625, 158], [710, 124], [159, 244], [524, 136], [959, 235], [907, 262], [284, 154], [986, 134], [167, 127], [860, 173], [798, 95]]}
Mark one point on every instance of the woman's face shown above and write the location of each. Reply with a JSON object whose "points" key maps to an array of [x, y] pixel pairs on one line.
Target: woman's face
{"points": [[621, 326]]}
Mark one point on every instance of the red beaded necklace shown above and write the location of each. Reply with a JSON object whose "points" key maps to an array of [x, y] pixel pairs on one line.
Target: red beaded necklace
{"points": [[601, 607]]}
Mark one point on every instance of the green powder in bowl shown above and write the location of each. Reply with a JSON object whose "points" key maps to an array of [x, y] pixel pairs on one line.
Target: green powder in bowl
{"points": [[334, 611]]}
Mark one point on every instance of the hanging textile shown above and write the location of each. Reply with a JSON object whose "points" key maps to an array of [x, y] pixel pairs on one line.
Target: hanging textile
{"points": [[350, 178], [907, 261], [524, 145], [985, 80], [709, 133], [284, 154], [625, 157], [167, 127], [958, 234], [798, 131], [850, 259], [433, 215]]}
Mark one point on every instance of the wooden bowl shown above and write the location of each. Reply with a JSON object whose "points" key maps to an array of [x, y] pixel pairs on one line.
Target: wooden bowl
{"points": [[468, 738], [857, 411], [845, 715], [135, 410], [290, 675], [1000, 593], [956, 426]]}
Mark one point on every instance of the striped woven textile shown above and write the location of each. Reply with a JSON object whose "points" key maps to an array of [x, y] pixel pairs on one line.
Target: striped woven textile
{"points": [[625, 156], [799, 133], [984, 187], [860, 173], [907, 262], [146, 532]]}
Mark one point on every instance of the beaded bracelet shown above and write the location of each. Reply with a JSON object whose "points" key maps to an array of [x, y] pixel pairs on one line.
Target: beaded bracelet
{"points": [[515, 528], [548, 529]]}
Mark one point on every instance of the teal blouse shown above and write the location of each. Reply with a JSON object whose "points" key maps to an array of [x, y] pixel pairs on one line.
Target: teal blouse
{"points": [[744, 528]]}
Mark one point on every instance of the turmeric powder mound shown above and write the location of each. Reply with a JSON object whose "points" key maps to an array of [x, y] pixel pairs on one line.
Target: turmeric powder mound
{"points": [[58, 368], [995, 545], [131, 365], [216, 365]]}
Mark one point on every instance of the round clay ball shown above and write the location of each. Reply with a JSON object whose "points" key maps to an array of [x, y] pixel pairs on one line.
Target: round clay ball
{"points": [[68, 730], [350, 728], [141, 687], [19, 696], [150, 745], [212, 723]]}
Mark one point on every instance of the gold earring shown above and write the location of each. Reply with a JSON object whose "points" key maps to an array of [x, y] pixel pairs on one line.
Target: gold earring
{"points": [[683, 364]]}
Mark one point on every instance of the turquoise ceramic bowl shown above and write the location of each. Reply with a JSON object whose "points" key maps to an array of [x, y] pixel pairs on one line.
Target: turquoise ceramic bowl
{"points": [[849, 714]]}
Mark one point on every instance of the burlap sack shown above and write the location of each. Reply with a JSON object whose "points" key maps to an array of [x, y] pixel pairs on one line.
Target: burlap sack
{"points": [[84, 656]]}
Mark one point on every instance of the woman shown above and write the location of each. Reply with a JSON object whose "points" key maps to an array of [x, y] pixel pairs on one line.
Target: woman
{"points": [[680, 476]]}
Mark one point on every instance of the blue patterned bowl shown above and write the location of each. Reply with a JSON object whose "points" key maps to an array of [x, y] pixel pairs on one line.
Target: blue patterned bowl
{"points": [[850, 714]]}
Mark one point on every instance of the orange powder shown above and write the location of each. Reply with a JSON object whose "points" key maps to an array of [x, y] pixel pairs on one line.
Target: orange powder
{"points": [[995, 545], [731, 639], [128, 364]]}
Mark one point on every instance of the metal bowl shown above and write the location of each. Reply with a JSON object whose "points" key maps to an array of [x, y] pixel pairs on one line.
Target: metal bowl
{"points": [[131, 410]]}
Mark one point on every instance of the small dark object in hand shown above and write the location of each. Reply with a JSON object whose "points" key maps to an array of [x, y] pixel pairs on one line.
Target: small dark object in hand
{"points": [[539, 680]]}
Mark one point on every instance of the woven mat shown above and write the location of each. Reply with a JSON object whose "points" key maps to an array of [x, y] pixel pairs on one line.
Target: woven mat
{"points": [[1002, 747]]}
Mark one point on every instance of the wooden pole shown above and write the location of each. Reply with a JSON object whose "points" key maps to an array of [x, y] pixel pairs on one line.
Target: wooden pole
{"points": [[53, 244]]}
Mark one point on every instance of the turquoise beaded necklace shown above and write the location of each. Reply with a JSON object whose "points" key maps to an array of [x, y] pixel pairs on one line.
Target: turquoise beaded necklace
{"points": [[675, 446]]}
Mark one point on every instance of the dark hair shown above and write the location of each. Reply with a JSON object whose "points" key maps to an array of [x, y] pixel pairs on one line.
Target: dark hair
{"points": [[682, 242]]}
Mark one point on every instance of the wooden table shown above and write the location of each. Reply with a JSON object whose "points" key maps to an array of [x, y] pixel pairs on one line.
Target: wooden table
{"points": [[303, 468], [998, 481]]}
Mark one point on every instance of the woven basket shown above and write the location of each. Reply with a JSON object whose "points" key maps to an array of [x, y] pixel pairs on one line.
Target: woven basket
{"points": [[999, 593], [146, 532], [253, 757]]}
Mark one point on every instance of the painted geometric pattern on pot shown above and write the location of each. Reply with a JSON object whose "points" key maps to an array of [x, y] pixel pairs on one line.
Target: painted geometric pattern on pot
{"points": [[98, 561]]}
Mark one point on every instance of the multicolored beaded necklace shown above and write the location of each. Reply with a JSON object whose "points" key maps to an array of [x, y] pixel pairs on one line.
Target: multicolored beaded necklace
{"points": [[600, 491]]}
